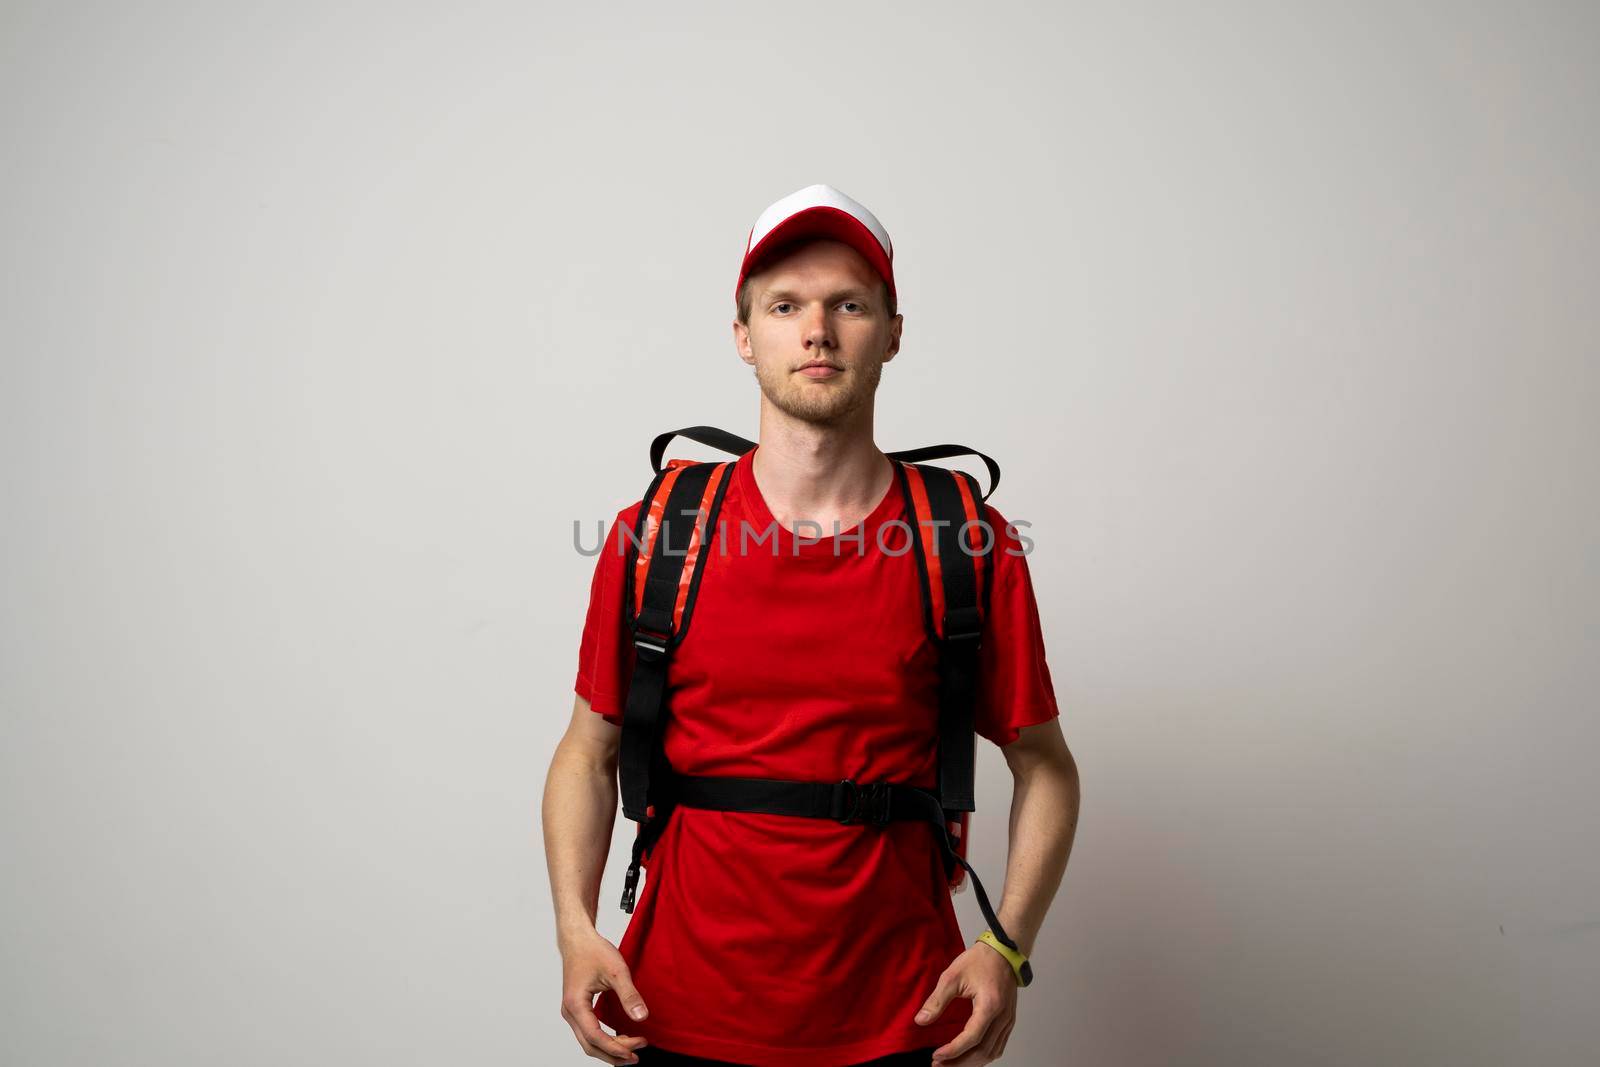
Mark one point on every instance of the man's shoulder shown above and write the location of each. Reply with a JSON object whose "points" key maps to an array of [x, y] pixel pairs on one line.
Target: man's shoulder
{"points": [[1005, 529], [623, 522]]}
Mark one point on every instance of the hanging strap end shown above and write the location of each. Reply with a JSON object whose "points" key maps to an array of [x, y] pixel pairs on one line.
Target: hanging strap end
{"points": [[630, 885]]}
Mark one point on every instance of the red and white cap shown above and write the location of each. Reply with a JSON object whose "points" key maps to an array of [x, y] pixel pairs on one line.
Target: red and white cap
{"points": [[814, 212]]}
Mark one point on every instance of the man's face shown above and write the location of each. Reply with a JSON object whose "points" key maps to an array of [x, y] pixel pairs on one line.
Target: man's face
{"points": [[819, 331]]}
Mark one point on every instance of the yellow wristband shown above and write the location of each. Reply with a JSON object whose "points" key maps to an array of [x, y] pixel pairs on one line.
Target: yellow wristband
{"points": [[1019, 963]]}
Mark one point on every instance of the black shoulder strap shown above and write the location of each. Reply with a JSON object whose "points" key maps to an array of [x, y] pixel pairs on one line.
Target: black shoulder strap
{"points": [[673, 531], [953, 556], [676, 520]]}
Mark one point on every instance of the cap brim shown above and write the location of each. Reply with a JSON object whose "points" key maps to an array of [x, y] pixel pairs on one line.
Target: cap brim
{"points": [[813, 223]]}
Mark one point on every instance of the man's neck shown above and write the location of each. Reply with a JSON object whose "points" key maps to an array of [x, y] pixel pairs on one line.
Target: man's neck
{"points": [[820, 473]]}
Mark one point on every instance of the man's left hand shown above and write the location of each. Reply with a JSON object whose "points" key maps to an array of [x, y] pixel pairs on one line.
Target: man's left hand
{"points": [[983, 976]]}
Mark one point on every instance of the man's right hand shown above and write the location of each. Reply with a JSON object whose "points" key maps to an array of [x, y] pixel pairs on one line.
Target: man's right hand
{"points": [[590, 965]]}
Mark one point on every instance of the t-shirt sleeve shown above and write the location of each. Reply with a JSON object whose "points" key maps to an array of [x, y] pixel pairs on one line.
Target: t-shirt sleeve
{"points": [[1014, 687], [605, 651]]}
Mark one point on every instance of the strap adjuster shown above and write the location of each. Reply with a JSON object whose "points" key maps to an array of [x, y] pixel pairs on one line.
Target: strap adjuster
{"points": [[963, 624], [861, 802], [649, 639]]}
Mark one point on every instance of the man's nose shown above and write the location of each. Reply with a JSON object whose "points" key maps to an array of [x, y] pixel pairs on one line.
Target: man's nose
{"points": [[819, 331]]}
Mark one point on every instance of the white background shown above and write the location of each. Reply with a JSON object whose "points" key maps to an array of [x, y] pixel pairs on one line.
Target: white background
{"points": [[319, 328]]}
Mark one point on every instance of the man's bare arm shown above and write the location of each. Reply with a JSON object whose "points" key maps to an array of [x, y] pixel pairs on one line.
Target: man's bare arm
{"points": [[1044, 821], [1044, 817], [579, 812]]}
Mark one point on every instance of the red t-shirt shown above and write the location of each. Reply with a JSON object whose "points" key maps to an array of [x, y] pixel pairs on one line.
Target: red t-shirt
{"points": [[781, 940]]}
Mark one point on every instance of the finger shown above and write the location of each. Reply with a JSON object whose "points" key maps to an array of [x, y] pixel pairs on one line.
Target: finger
{"points": [[941, 996], [624, 1060], [1005, 1037], [612, 1049], [968, 1039], [985, 1053], [592, 1052], [596, 1041], [978, 1057], [989, 1050], [622, 984]]}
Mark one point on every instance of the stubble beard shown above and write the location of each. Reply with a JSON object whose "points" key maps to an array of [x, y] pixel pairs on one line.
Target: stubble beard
{"points": [[822, 403]]}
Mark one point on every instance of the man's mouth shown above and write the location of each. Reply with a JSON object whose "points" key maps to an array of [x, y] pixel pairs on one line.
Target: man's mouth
{"points": [[821, 369]]}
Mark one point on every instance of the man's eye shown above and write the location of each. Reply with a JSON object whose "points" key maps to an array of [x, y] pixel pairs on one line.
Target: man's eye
{"points": [[851, 303], [781, 306]]}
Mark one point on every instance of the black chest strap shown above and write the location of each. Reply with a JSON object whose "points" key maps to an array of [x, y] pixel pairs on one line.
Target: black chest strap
{"points": [[846, 801]]}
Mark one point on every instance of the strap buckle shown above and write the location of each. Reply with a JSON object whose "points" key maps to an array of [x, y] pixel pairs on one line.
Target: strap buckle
{"points": [[630, 886], [863, 802], [648, 639]]}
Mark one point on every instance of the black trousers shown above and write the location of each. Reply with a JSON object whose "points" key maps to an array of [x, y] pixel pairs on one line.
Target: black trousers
{"points": [[651, 1056]]}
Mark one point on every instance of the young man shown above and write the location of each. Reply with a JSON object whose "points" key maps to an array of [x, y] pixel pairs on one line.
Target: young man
{"points": [[763, 938]]}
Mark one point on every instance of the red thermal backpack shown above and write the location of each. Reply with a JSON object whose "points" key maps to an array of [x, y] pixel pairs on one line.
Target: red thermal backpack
{"points": [[664, 564]]}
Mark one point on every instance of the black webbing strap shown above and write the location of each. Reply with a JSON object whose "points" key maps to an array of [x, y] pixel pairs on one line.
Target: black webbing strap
{"points": [[735, 445], [846, 801], [959, 631], [649, 833], [917, 455], [654, 637], [730, 443]]}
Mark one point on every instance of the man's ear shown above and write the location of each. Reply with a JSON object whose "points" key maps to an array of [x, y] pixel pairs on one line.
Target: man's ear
{"points": [[741, 342], [894, 338]]}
